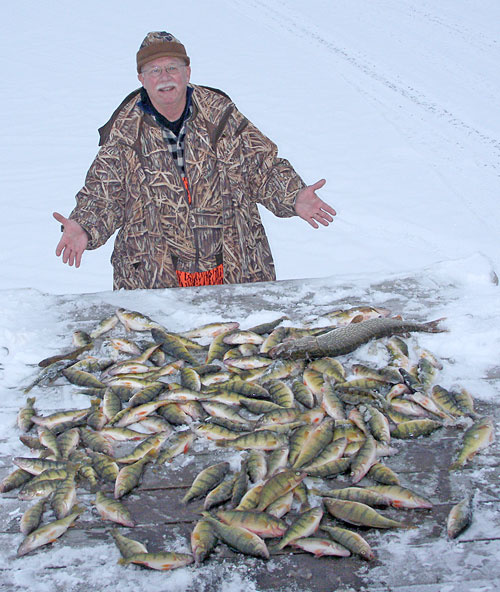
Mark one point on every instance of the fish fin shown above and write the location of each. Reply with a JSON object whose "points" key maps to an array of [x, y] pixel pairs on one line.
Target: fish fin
{"points": [[357, 319]]}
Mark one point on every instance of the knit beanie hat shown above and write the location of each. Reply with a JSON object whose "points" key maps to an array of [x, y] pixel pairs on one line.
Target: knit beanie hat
{"points": [[160, 44]]}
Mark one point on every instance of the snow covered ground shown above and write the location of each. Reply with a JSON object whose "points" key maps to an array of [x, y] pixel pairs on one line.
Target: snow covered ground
{"points": [[35, 326], [394, 102]]}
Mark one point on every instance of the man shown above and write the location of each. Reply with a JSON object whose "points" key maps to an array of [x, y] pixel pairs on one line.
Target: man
{"points": [[179, 173]]}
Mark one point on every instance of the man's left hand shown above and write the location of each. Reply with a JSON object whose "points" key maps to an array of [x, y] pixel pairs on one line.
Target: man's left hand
{"points": [[311, 208]]}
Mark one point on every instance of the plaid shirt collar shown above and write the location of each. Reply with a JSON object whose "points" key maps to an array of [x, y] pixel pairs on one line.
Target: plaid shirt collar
{"points": [[175, 143]]}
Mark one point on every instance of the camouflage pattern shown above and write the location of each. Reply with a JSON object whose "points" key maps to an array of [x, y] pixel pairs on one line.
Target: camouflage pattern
{"points": [[158, 37], [134, 186], [160, 44]]}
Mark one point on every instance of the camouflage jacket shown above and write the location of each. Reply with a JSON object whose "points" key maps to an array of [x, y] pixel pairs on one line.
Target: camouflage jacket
{"points": [[135, 187]]}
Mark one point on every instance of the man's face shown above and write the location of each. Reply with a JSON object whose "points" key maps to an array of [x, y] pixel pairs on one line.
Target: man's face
{"points": [[165, 80]]}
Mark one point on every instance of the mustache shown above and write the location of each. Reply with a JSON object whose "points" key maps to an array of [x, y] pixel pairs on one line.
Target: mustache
{"points": [[166, 85]]}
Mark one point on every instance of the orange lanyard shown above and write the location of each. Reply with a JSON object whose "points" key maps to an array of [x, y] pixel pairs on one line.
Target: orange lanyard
{"points": [[186, 185]]}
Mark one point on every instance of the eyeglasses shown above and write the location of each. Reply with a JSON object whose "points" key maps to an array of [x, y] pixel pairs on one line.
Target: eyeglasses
{"points": [[155, 71]]}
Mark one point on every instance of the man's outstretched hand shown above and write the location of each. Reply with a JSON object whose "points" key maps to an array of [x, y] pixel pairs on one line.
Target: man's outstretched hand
{"points": [[311, 208], [73, 241]]}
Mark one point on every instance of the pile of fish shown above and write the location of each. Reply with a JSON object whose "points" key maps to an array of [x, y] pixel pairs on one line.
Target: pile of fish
{"points": [[278, 395]]}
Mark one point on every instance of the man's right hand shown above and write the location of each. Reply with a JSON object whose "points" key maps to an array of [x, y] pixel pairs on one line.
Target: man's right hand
{"points": [[73, 241]]}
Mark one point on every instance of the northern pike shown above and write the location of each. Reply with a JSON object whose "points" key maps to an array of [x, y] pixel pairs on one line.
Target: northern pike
{"points": [[346, 339]]}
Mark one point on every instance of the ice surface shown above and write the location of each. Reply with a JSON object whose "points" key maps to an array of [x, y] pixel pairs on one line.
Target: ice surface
{"points": [[394, 103]]}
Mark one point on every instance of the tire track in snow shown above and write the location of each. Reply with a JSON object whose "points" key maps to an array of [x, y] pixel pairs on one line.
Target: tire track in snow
{"points": [[477, 40], [293, 24]]}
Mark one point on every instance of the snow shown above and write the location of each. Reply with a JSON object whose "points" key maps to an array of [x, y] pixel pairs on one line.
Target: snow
{"points": [[393, 102]]}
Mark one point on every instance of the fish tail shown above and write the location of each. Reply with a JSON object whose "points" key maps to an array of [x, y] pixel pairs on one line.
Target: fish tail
{"points": [[433, 326], [455, 466]]}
